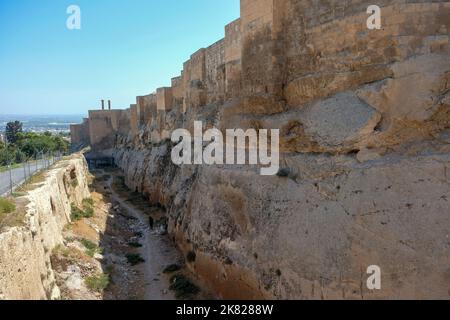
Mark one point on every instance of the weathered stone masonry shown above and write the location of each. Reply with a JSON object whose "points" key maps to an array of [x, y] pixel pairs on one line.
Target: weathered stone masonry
{"points": [[364, 119], [80, 134]]}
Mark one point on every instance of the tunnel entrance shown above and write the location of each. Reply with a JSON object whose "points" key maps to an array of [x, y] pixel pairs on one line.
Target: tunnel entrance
{"points": [[99, 161]]}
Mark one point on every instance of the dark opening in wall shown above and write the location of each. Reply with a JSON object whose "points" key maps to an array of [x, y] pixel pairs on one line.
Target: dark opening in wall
{"points": [[52, 204], [191, 256], [73, 174]]}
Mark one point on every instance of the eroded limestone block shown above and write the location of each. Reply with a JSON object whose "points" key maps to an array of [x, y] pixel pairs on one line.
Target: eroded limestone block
{"points": [[321, 85], [414, 91], [340, 121], [74, 280]]}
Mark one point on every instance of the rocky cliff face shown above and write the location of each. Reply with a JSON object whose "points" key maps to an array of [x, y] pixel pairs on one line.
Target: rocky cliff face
{"points": [[25, 267], [365, 141], [312, 234]]}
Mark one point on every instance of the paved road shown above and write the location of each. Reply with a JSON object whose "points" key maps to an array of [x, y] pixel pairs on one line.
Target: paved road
{"points": [[18, 176]]}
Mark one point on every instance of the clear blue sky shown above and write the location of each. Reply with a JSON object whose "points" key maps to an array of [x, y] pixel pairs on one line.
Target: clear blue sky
{"points": [[125, 48]]}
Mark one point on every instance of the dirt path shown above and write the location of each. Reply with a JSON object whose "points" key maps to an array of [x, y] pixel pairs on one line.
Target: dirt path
{"points": [[112, 253], [157, 251]]}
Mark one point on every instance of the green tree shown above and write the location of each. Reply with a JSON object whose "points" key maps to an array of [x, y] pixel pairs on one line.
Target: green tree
{"points": [[7, 156], [31, 143], [13, 129], [61, 144], [19, 156]]}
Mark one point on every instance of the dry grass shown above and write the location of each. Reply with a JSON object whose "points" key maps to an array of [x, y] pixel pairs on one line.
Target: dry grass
{"points": [[34, 182], [82, 229], [91, 247], [62, 257], [6, 206], [12, 212]]}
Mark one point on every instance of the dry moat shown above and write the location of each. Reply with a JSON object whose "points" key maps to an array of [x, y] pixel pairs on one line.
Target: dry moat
{"points": [[363, 117], [117, 247]]}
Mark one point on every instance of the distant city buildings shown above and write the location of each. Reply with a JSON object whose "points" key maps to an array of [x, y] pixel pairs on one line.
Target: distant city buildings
{"points": [[54, 124]]}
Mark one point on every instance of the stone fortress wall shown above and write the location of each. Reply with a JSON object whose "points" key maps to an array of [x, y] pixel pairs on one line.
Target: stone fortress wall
{"points": [[283, 54], [211, 76], [80, 134], [364, 119]]}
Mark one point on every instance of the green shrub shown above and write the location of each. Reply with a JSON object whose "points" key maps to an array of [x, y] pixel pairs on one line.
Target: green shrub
{"points": [[19, 156], [98, 283], [88, 202], [6, 207], [88, 206], [78, 214], [88, 244], [134, 244], [88, 212], [91, 247], [183, 287]]}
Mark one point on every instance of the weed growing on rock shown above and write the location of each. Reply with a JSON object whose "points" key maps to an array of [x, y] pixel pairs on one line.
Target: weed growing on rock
{"points": [[78, 214], [88, 206], [88, 202], [183, 287], [98, 283], [61, 250], [91, 248], [6, 208]]}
